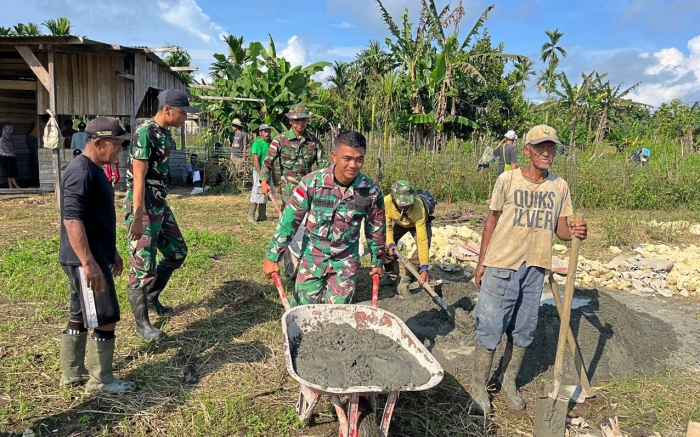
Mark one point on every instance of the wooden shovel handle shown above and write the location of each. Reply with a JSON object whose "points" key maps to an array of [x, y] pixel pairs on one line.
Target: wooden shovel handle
{"points": [[566, 311], [414, 272]]}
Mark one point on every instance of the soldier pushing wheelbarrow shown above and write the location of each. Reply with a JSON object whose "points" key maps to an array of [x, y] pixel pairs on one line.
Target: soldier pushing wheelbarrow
{"points": [[337, 199]]}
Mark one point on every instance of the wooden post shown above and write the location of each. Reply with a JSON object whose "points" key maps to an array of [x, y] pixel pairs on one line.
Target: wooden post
{"points": [[56, 152]]}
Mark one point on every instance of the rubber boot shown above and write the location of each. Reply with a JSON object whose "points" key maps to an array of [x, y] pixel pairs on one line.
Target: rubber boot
{"points": [[251, 212], [512, 360], [137, 299], [100, 355], [392, 273], [403, 286], [480, 374], [73, 369], [262, 212], [163, 275]]}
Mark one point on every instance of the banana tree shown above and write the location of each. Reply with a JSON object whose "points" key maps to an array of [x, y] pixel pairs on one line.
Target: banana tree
{"points": [[271, 84]]}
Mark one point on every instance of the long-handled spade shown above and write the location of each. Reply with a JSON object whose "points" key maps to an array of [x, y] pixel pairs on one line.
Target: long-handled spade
{"points": [[550, 412], [459, 319]]}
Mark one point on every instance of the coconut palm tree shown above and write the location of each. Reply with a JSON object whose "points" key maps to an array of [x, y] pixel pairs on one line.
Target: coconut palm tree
{"points": [[5, 31], [29, 29], [58, 27]]}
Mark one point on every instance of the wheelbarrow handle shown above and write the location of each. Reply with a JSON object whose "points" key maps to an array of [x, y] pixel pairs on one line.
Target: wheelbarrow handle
{"points": [[280, 289], [274, 202], [375, 290]]}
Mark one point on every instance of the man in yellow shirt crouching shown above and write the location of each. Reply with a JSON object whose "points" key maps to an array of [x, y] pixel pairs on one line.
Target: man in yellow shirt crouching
{"points": [[407, 212]]}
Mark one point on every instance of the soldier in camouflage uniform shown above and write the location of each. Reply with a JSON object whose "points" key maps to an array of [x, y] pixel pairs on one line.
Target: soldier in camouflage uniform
{"points": [[150, 221], [294, 153], [337, 199]]}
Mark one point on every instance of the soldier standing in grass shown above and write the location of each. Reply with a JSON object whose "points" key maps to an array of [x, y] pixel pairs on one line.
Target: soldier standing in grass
{"points": [[406, 214], [89, 258], [259, 151], [150, 221], [295, 151], [337, 199], [529, 206]]}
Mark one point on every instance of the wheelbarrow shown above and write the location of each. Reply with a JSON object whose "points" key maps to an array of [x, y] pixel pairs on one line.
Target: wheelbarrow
{"points": [[298, 321]]}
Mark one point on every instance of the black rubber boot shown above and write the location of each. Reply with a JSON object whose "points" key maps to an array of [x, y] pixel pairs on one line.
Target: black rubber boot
{"points": [[480, 374], [100, 356], [73, 369], [163, 275], [251, 212], [392, 273], [262, 212], [137, 299], [512, 360]]}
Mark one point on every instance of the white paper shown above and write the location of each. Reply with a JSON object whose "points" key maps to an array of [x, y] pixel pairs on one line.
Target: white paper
{"points": [[196, 176]]}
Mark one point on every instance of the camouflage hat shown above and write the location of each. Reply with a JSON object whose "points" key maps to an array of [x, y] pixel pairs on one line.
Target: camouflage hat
{"points": [[298, 111], [403, 193], [540, 134]]}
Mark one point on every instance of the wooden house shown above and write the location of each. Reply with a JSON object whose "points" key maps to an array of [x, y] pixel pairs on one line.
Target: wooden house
{"points": [[76, 77]]}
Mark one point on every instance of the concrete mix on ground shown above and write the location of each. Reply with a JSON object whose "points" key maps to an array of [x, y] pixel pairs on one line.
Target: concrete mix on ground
{"points": [[615, 340]]}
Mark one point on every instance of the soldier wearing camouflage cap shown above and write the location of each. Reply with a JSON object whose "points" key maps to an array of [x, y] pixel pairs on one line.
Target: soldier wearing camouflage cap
{"points": [[406, 213], [293, 153], [149, 219], [337, 200]]}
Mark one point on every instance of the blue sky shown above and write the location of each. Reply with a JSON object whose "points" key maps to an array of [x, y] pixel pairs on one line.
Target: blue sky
{"points": [[655, 42]]}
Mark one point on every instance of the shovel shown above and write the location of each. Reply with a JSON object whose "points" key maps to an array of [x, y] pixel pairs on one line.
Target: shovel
{"points": [[459, 319], [550, 412]]}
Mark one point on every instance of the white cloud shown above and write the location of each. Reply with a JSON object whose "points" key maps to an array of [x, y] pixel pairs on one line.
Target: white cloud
{"points": [[673, 75], [343, 25], [200, 76], [295, 52], [323, 75], [187, 15]]}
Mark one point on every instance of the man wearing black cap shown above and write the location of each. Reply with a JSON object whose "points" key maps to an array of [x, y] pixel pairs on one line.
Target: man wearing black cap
{"points": [[88, 255], [151, 223]]}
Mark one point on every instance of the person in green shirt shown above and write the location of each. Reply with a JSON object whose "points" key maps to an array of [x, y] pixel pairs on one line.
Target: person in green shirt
{"points": [[258, 200]]}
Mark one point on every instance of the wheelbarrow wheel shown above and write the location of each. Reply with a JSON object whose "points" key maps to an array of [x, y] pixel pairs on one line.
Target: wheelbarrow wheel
{"points": [[367, 424]]}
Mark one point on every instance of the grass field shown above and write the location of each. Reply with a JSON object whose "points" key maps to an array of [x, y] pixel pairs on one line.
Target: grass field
{"points": [[226, 330]]}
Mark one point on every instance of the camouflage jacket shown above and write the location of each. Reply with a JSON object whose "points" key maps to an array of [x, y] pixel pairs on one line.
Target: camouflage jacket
{"points": [[334, 221], [153, 145], [295, 157]]}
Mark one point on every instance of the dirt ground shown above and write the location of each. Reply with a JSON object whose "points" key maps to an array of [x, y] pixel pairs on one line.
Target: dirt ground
{"points": [[619, 334]]}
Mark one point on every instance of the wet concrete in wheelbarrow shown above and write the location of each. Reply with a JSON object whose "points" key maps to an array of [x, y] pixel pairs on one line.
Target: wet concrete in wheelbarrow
{"points": [[337, 355], [615, 340]]}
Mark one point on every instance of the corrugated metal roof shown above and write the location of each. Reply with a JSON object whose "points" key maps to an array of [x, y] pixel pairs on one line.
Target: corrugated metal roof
{"points": [[74, 41]]}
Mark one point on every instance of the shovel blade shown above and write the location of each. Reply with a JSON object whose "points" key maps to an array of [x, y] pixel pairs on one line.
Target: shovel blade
{"points": [[550, 417]]}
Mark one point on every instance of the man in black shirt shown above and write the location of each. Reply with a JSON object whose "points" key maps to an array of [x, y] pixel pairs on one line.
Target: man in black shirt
{"points": [[89, 257]]}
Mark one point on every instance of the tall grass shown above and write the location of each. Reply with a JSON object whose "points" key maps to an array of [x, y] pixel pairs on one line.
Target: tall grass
{"points": [[605, 181]]}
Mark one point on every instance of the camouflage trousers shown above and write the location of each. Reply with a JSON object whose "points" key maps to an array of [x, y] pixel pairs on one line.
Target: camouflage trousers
{"points": [[330, 288], [162, 234], [331, 281]]}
